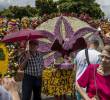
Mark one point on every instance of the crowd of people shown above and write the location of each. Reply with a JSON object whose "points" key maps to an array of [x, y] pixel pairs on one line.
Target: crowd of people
{"points": [[96, 78], [91, 66], [92, 74]]}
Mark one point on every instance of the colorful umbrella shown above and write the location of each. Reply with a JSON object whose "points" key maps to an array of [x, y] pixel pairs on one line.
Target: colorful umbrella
{"points": [[24, 34]]}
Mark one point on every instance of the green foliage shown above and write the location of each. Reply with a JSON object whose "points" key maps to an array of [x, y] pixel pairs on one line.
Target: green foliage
{"points": [[81, 6], [68, 7], [62, 1], [46, 7], [19, 12], [94, 11], [7, 13]]}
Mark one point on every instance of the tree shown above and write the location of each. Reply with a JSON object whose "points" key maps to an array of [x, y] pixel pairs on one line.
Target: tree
{"points": [[7, 13], [19, 12], [46, 7], [68, 7], [94, 11], [81, 6]]}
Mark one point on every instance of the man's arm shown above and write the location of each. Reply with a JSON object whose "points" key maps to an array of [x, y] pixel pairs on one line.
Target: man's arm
{"points": [[23, 64], [80, 90], [23, 60], [83, 93]]}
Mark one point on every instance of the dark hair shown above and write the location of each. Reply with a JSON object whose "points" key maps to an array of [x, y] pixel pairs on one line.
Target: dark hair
{"points": [[33, 42], [107, 48], [79, 44]]}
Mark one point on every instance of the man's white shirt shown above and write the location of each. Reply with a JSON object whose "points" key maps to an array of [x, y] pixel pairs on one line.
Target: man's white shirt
{"points": [[81, 62]]}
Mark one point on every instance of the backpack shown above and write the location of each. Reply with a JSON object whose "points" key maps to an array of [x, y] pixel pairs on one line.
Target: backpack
{"points": [[87, 56]]}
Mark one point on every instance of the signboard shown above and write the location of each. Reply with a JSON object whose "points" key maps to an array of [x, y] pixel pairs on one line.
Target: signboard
{"points": [[3, 59]]}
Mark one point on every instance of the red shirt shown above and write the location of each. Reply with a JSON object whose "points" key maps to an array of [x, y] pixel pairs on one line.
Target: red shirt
{"points": [[102, 83]]}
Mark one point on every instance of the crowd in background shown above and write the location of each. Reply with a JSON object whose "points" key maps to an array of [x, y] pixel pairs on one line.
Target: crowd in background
{"points": [[89, 65]]}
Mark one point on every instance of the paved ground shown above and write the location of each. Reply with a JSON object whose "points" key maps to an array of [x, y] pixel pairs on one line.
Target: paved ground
{"points": [[44, 97]]}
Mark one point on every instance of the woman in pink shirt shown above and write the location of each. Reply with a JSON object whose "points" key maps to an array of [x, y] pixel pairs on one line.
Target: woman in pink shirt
{"points": [[96, 79]]}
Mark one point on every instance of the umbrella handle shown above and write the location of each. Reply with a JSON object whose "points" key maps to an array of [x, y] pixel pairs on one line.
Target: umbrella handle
{"points": [[27, 46]]}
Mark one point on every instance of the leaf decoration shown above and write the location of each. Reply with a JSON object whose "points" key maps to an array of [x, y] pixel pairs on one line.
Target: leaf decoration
{"points": [[57, 30], [68, 28]]}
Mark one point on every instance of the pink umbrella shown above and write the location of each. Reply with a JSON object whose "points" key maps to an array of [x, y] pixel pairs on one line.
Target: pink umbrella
{"points": [[24, 34]]}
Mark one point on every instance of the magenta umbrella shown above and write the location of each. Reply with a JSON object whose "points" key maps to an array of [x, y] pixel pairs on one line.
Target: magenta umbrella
{"points": [[24, 34]]}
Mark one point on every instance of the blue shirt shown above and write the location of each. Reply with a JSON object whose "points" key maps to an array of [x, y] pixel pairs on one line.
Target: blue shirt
{"points": [[4, 94]]}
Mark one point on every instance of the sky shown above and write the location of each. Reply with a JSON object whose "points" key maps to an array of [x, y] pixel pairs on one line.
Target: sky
{"points": [[6, 3], [105, 4], [18, 2]]}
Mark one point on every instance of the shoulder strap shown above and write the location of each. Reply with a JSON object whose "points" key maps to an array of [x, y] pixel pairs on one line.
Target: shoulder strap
{"points": [[87, 56], [95, 83]]}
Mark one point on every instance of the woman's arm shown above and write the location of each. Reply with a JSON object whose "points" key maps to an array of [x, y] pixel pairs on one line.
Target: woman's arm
{"points": [[80, 90], [15, 95], [11, 86]]}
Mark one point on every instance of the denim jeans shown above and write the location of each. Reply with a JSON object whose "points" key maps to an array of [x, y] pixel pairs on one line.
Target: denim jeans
{"points": [[78, 96], [31, 84]]}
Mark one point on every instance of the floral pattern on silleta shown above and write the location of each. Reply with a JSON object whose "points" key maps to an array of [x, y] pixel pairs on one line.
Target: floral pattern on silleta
{"points": [[62, 42]]}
